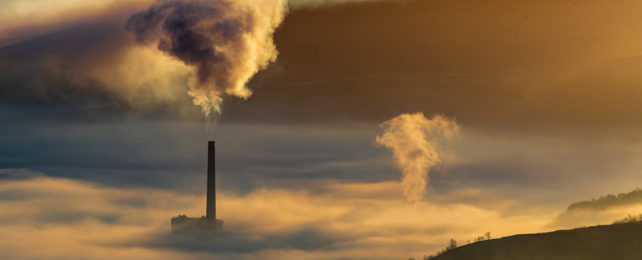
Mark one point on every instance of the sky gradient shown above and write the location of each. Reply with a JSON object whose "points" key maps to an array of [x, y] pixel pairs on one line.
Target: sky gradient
{"points": [[101, 142]]}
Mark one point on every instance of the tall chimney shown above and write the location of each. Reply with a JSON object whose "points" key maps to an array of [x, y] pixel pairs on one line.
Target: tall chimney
{"points": [[211, 182]]}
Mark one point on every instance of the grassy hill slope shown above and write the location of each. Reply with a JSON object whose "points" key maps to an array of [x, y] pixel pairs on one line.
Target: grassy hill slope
{"points": [[617, 241]]}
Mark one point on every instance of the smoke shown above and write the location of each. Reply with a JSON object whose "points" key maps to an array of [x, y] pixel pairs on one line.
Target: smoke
{"points": [[226, 42], [416, 143]]}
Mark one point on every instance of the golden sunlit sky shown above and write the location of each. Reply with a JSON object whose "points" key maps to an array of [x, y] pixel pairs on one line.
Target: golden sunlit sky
{"points": [[345, 129]]}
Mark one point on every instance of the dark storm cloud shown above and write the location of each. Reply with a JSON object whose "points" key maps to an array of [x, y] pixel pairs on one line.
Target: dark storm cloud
{"points": [[492, 68], [482, 63]]}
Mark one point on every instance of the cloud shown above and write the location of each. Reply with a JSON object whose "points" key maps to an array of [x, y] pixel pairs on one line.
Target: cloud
{"points": [[26, 19], [534, 78], [93, 64], [14, 174], [347, 221], [128, 152], [608, 201], [603, 210]]}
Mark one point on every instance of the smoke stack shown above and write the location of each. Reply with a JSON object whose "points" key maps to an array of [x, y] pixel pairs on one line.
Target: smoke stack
{"points": [[210, 213], [207, 223]]}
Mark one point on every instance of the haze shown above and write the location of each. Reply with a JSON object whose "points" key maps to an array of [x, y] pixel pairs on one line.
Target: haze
{"points": [[344, 129]]}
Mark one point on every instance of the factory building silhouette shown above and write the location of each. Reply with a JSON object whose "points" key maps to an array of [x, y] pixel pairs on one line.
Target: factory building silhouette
{"points": [[209, 221]]}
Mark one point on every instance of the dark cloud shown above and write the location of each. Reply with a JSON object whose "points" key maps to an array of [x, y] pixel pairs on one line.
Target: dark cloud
{"points": [[41, 69], [123, 151], [18, 174], [491, 69], [481, 63], [88, 69]]}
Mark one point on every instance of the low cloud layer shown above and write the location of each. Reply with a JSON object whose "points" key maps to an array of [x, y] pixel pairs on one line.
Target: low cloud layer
{"points": [[603, 210], [345, 221]]}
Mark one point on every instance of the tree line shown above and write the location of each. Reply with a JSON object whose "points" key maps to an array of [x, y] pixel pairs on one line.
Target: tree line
{"points": [[452, 244]]}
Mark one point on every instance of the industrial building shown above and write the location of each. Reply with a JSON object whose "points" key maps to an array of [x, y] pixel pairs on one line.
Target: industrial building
{"points": [[207, 223]]}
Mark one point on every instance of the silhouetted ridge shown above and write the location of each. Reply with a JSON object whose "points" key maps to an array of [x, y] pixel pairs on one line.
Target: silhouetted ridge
{"points": [[617, 241]]}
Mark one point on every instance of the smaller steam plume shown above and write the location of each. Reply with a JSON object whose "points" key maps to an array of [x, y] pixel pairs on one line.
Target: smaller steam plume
{"points": [[226, 42], [416, 143]]}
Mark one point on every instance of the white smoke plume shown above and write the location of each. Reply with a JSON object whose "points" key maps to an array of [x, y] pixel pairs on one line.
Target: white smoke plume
{"points": [[226, 42], [416, 143]]}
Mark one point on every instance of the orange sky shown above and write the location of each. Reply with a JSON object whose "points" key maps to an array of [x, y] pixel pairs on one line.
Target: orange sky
{"points": [[102, 142]]}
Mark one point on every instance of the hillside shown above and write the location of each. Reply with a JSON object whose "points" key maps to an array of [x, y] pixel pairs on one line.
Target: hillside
{"points": [[617, 241]]}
